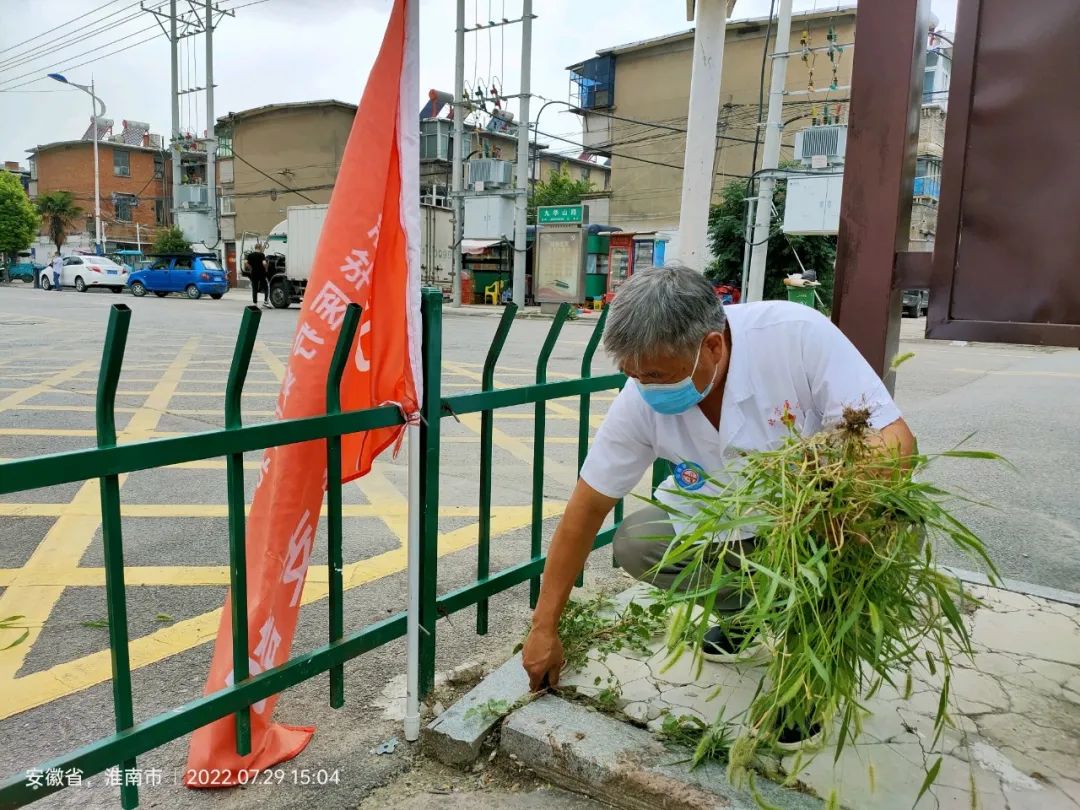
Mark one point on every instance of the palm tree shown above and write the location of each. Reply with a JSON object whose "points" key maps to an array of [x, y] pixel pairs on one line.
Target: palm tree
{"points": [[59, 213]]}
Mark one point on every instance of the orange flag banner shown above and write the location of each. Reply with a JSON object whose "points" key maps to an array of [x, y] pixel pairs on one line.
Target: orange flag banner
{"points": [[368, 253]]}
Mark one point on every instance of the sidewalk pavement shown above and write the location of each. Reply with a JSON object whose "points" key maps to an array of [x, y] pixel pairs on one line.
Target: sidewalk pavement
{"points": [[1018, 702]]}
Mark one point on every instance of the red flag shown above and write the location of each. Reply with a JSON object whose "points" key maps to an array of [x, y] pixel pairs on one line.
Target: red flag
{"points": [[368, 253]]}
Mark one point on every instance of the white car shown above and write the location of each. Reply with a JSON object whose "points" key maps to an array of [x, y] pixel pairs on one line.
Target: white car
{"points": [[83, 272]]}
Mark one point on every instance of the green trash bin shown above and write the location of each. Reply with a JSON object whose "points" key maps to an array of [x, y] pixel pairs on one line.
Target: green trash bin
{"points": [[803, 295]]}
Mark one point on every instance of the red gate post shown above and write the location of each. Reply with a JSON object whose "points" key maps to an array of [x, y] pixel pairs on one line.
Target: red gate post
{"points": [[879, 169]]}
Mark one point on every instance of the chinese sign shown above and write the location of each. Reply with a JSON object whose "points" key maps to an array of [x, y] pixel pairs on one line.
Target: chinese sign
{"points": [[561, 214]]}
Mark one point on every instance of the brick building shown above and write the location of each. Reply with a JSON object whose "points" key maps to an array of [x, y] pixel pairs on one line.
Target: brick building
{"points": [[135, 189]]}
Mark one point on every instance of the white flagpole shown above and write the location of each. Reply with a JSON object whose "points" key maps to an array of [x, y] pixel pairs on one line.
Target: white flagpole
{"points": [[412, 632], [409, 137]]}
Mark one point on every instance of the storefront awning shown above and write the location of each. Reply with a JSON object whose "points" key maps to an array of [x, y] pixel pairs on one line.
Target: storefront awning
{"points": [[475, 246]]}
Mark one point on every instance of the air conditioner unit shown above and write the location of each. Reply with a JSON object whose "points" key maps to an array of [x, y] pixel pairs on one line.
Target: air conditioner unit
{"points": [[155, 141], [491, 172], [821, 146]]}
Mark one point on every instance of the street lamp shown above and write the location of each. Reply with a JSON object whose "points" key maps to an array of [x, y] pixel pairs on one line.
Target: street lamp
{"points": [[95, 114]]}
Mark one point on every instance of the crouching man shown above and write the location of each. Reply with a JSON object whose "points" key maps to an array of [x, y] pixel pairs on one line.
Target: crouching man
{"points": [[706, 383]]}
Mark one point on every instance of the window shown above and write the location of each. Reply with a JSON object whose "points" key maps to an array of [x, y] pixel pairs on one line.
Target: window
{"points": [[224, 145], [124, 205], [159, 166], [435, 140], [928, 177], [161, 212], [121, 163], [228, 206]]}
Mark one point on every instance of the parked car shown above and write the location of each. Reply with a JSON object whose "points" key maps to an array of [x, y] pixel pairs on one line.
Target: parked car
{"points": [[85, 271], [916, 302], [190, 274], [23, 270]]}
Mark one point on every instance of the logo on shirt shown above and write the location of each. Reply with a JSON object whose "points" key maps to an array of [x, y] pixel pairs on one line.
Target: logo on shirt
{"points": [[689, 476]]}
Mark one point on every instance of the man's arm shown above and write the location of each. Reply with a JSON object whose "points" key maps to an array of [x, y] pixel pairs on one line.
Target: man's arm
{"points": [[585, 512], [895, 438]]}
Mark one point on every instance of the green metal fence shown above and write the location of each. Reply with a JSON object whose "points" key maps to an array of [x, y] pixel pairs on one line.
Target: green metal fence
{"points": [[108, 461]]}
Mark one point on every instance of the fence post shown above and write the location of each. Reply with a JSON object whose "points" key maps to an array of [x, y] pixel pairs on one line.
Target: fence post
{"points": [[539, 431], [334, 562], [487, 428], [234, 477], [584, 420], [430, 432], [109, 376]]}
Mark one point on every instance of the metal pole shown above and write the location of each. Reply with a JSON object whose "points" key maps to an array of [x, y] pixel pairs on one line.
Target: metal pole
{"points": [[701, 131], [456, 184], [138, 236], [521, 201], [211, 137], [412, 620], [770, 156], [173, 44], [98, 247]]}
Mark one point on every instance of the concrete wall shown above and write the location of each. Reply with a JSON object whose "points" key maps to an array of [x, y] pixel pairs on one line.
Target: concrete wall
{"points": [[70, 167], [301, 147], [932, 130], [653, 84]]}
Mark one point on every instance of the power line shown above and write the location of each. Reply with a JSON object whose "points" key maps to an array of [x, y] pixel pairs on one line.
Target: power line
{"points": [[272, 178], [46, 49], [62, 25], [103, 56], [613, 154], [38, 71]]}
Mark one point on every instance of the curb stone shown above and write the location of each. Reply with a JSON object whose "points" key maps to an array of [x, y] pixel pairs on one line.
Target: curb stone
{"points": [[455, 736], [585, 751]]}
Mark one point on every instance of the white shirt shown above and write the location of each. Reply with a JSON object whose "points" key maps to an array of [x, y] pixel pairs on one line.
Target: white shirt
{"points": [[781, 353], [57, 264]]}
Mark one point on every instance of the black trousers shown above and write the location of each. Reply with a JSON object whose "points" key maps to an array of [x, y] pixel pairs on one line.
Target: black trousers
{"points": [[258, 282]]}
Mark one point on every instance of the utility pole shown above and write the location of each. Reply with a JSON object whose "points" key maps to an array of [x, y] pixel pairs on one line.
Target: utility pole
{"points": [[99, 245], [770, 156], [211, 137], [457, 186], [174, 146], [522, 198], [701, 125]]}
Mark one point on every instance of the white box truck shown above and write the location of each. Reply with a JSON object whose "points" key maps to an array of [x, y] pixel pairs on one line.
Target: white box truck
{"points": [[290, 250], [289, 273]]}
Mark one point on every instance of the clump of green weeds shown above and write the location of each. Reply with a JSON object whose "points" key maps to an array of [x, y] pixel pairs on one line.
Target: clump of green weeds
{"points": [[841, 582]]}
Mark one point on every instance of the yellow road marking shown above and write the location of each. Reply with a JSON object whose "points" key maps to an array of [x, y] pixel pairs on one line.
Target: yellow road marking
{"points": [[31, 391], [64, 679], [206, 510], [72, 408], [66, 542]]}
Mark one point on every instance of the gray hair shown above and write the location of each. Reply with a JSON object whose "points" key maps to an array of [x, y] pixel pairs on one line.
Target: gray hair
{"points": [[666, 309]]}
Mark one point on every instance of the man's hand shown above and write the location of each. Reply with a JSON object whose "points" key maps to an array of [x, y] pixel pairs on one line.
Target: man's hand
{"points": [[542, 657], [542, 654]]}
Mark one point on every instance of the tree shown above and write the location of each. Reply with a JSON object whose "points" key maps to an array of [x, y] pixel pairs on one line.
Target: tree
{"points": [[59, 212], [171, 240], [558, 189], [727, 235], [18, 219]]}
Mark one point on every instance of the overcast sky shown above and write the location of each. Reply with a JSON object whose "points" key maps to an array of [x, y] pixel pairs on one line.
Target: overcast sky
{"points": [[295, 50]]}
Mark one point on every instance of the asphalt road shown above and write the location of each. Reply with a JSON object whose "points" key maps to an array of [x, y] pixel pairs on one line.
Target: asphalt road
{"points": [[54, 692]]}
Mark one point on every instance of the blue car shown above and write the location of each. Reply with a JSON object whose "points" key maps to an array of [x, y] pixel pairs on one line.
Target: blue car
{"points": [[190, 274]]}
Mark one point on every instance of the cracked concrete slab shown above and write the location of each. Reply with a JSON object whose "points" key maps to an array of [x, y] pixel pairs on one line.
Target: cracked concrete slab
{"points": [[1016, 713]]}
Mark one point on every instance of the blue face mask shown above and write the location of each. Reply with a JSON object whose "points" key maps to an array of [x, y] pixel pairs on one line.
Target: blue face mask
{"points": [[674, 398]]}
